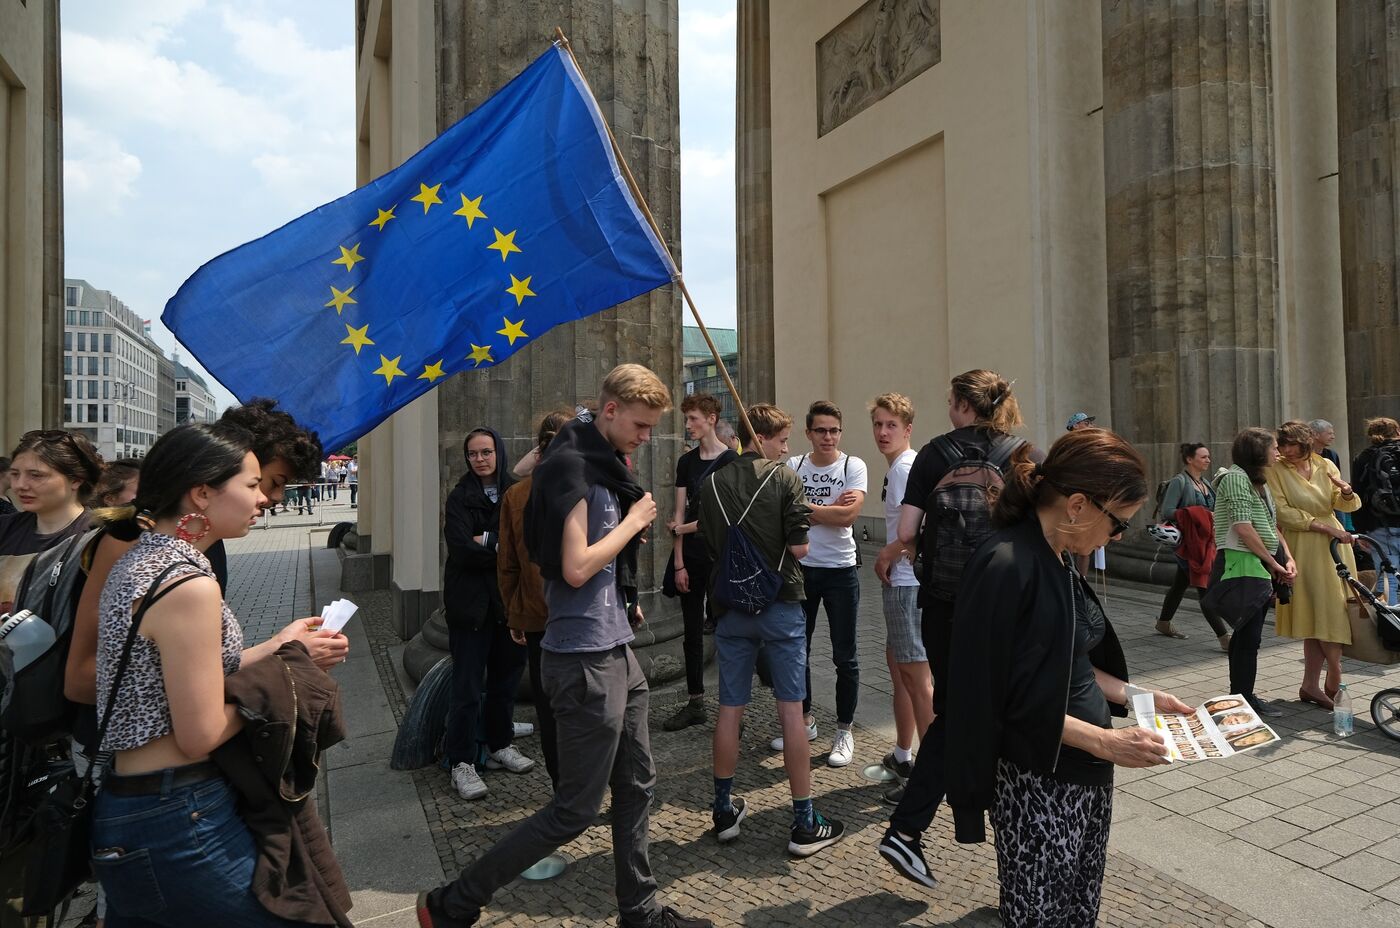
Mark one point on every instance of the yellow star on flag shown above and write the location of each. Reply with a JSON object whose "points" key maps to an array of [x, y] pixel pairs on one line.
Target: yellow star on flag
{"points": [[480, 353], [384, 216], [432, 372], [505, 244], [340, 297], [471, 210], [428, 196], [518, 288], [349, 257], [358, 338], [513, 330], [389, 368]]}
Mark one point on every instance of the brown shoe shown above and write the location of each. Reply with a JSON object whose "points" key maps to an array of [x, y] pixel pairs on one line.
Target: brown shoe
{"points": [[1224, 643], [1165, 628]]}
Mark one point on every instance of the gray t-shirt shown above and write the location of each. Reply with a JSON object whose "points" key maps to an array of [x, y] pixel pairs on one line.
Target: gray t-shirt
{"points": [[592, 617]]}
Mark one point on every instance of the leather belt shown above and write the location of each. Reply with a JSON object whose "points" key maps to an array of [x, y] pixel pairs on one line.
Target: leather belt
{"points": [[153, 783]]}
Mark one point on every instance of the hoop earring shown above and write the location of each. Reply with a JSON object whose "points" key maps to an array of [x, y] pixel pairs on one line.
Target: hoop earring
{"points": [[184, 534]]}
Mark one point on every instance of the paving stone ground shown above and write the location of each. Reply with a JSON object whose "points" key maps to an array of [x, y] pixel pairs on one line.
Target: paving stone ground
{"points": [[1316, 809]]}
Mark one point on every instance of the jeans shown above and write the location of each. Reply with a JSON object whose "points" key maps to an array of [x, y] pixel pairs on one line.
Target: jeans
{"points": [[1389, 540], [354, 491], [924, 790], [839, 588], [693, 609], [600, 704], [1174, 595], [176, 859], [1244, 653], [486, 669], [544, 714]]}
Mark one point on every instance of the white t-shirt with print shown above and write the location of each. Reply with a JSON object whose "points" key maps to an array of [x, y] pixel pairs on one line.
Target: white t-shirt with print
{"points": [[902, 574], [829, 546]]}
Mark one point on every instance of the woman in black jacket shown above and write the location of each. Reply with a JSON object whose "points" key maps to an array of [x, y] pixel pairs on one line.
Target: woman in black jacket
{"points": [[486, 663], [1036, 667]]}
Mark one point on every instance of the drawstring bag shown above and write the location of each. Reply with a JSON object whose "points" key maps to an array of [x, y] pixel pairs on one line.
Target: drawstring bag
{"points": [[743, 580]]}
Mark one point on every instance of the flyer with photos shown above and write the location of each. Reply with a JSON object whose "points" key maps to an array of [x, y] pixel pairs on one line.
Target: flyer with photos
{"points": [[1222, 726]]}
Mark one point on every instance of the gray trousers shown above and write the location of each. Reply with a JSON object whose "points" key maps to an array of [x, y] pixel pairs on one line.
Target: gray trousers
{"points": [[600, 711]]}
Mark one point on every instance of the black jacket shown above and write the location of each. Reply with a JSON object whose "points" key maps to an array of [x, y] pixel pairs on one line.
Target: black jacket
{"points": [[1363, 481], [471, 596], [1009, 670], [291, 713]]}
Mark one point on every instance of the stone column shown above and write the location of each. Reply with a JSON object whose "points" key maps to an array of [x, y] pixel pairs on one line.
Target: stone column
{"points": [[1189, 185], [753, 193], [628, 52], [1368, 95]]}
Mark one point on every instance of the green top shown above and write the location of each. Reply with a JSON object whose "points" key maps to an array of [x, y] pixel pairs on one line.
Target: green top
{"points": [[1236, 502]]}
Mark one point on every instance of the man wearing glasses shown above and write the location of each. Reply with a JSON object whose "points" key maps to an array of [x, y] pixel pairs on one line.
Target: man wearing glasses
{"points": [[835, 484]]}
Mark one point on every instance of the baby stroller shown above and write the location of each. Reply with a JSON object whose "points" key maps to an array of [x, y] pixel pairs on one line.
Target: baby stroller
{"points": [[1384, 618]]}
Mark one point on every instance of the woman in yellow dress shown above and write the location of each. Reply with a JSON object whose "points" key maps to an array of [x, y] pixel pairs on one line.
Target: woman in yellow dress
{"points": [[1309, 490]]}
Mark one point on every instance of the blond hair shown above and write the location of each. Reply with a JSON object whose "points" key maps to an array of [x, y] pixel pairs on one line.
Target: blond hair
{"points": [[896, 404], [767, 420], [633, 383]]}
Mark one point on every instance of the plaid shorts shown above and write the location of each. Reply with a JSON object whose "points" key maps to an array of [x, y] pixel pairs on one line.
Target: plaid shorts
{"points": [[903, 628]]}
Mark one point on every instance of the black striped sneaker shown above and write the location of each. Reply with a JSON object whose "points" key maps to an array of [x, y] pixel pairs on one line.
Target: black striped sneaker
{"points": [[807, 841], [907, 856]]}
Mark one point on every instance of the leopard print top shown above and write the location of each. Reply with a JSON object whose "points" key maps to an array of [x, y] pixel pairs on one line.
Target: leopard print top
{"points": [[141, 713]]}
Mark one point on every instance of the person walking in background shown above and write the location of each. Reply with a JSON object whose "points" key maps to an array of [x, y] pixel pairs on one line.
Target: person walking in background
{"points": [[835, 484], [1310, 491], [486, 661], [1376, 478], [1187, 504], [1248, 545], [352, 477], [522, 591], [892, 421], [764, 499], [1038, 677], [690, 555]]}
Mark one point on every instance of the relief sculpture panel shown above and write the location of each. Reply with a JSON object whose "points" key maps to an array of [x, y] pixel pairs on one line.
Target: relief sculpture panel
{"points": [[875, 51]]}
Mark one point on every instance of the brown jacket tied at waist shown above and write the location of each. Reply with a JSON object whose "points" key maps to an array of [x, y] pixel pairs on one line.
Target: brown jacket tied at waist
{"points": [[522, 587]]}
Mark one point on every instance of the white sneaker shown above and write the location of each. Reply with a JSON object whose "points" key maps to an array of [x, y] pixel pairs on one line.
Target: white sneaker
{"points": [[777, 743], [842, 747], [508, 758], [469, 785], [523, 729]]}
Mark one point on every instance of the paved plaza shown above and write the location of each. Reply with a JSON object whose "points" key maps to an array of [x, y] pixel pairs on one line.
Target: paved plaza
{"points": [[1304, 833]]}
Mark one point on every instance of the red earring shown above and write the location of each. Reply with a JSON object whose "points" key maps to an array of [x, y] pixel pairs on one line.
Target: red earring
{"points": [[185, 534]]}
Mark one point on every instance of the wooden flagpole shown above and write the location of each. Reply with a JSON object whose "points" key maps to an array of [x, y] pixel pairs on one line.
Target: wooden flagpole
{"points": [[646, 211]]}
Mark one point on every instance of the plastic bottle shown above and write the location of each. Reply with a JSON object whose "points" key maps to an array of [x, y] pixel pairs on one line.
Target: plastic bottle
{"points": [[1342, 718], [26, 636]]}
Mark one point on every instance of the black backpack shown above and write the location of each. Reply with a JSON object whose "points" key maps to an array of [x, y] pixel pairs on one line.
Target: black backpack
{"points": [[958, 512], [1385, 466], [743, 581]]}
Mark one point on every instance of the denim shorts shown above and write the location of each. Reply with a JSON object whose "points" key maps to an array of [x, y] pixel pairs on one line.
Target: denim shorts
{"points": [[904, 636], [178, 859], [782, 631]]}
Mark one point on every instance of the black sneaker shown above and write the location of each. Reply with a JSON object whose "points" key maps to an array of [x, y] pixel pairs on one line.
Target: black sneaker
{"points": [[894, 795], [727, 823], [687, 715], [427, 918], [807, 841], [906, 856], [902, 770], [667, 917]]}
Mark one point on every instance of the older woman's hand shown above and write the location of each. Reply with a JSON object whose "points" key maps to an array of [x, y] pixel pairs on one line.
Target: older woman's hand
{"points": [[1166, 702], [1134, 747]]}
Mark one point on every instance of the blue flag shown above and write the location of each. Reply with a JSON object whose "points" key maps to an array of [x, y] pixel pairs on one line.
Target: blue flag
{"points": [[514, 220]]}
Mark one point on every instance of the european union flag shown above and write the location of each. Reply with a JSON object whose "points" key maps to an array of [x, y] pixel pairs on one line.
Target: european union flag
{"points": [[514, 220]]}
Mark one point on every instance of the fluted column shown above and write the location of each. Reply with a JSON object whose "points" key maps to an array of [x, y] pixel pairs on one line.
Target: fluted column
{"points": [[1189, 184], [753, 192], [1368, 129]]}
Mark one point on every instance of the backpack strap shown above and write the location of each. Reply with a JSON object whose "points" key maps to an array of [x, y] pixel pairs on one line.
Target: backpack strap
{"points": [[714, 488], [1002, 451], [771, 471]]}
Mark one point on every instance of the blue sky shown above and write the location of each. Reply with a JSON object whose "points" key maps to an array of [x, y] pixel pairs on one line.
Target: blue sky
{"points": [[191, 127]]}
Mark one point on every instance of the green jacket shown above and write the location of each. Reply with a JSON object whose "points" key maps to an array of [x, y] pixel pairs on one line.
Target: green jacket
{"points": [[778, 518]]}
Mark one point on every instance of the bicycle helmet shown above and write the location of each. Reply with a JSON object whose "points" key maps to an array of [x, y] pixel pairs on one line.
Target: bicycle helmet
{"points": [[1165, 534]]}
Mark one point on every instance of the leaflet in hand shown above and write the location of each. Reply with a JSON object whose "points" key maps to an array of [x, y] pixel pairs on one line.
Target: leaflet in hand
{"points": [[1223, 726], [334, 616]]}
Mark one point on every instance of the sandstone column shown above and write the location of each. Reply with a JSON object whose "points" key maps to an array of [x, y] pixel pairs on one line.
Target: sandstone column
{"points": [[1189, 184], [753, 192], [1368, 103], [628, 52]]}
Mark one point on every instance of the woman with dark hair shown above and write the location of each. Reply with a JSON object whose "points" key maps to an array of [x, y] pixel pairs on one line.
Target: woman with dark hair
{"points": [[52, 474], [118, 483], [486, 662], [200, 484], [1038, 677], [1248, 544], [1310, 492], [1189, 488], [522, 588]]}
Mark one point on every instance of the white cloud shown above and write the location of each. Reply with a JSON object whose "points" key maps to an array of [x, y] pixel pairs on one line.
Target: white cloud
{"points": [[97, 171]]}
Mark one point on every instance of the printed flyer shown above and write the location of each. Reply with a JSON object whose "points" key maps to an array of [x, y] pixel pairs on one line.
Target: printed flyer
{"points": [[1223, 726]]}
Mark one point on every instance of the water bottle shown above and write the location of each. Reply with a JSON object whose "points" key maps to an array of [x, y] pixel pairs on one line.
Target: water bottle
{"points": [[26, 636], [1341, 713]]}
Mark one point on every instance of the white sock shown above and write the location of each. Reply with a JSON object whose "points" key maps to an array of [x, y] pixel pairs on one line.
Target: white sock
{"points": [[902, 755]]}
